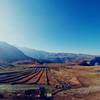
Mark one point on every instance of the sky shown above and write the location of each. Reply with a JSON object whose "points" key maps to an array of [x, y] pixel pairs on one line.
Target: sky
{"points": [[71, 26]]}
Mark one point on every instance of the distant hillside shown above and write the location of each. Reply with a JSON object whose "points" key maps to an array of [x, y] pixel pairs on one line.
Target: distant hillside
{"points": [[47, 57], [9, 53], [38, 54], [93, 62]]}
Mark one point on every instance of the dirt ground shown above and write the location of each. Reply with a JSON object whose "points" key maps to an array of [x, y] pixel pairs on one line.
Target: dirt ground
{"points": [[85, 82]]}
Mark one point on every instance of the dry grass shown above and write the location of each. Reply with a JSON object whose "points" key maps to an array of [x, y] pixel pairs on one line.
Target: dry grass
{"points": [[84, 79], [87, 93]]}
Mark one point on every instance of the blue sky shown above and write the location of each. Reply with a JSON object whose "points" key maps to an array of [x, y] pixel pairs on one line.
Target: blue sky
{"points": [[52, 25]]}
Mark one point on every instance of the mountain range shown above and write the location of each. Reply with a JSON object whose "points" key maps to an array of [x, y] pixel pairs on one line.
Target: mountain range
{"points": [[10, 53], [47, 57]]}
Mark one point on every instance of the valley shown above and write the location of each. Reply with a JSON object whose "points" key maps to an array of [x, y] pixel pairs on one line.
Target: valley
{"points": [[65, 81], [38, 75]]}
